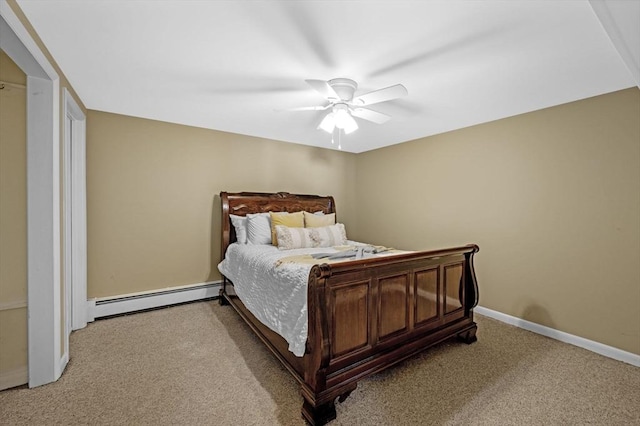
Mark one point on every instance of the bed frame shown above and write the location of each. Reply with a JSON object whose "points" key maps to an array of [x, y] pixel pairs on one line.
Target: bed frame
{"points": [[364, 315]]}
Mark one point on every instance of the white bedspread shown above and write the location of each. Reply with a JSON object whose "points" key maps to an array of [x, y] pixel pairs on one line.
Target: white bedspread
{"points": [[276, 295], [275, 292]]}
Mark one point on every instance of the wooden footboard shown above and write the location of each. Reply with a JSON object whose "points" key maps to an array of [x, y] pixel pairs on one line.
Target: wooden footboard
{"points": [[363, 315], [367, 315]]}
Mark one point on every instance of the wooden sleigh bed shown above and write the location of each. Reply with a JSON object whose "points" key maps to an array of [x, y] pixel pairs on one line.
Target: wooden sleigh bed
{"points": [[363, 315]]}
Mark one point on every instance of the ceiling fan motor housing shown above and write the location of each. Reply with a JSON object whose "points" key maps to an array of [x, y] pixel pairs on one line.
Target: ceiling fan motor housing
{"points": [[344, 87]]}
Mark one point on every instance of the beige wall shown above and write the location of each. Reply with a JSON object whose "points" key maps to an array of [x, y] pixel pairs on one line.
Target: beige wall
{"points": [[152, 196], [13, 224], [552, 198]]}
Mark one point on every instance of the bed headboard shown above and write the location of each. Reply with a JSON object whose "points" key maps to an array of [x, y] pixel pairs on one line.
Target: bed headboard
{"points": [[243, 203]]}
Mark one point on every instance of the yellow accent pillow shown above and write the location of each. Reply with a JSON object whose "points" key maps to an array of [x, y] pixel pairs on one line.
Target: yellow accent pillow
{"points": [[318, 220], [292, 220]]}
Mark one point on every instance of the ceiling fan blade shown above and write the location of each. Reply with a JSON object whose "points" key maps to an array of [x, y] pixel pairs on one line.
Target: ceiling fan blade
{"points": [[381, 95], [309, 108], [325, 90], [370, 115]]}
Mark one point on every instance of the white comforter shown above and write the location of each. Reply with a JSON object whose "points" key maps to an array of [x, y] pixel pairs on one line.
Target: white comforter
{"points": [[275, 294]]}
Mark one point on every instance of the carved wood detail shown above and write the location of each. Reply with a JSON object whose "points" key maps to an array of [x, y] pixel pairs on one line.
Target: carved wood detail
{"points": [[243, 203]]}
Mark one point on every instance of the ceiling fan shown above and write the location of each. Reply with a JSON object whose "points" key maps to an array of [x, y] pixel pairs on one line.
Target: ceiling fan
{"points": [[343, 106]]}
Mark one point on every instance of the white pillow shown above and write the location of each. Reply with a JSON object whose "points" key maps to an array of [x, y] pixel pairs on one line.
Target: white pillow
{"points": [[258, 228], [240, 225], [326, 236]]}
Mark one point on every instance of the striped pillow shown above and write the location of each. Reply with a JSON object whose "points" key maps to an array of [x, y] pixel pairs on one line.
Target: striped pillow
{"points": [[325, 236]]}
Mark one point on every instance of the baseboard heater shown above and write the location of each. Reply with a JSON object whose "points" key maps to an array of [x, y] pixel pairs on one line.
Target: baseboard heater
{"points": [[106, 307]]}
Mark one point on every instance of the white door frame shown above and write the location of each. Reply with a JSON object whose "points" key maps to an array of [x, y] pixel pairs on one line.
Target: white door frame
{"points": [[47, 359], [75, 214]]}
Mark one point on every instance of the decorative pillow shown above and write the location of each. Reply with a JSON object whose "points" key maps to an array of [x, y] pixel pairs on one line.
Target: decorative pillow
{"points": [[240, 225], [312, 220], [293, 220], [326, 236], [258, 228]]}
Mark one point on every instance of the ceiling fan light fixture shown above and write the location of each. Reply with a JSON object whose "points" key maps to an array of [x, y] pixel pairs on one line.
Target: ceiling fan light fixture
{"points": [[349, 125], [328, 123], [342, 118], [344, 107], [351, 128]]}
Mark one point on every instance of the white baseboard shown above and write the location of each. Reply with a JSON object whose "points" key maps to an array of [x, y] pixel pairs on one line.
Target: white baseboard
{"points": [[104, 307], [599, 348], [13, 378]]}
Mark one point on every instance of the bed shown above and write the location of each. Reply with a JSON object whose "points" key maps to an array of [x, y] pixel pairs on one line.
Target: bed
{"points": [[362, 314]]}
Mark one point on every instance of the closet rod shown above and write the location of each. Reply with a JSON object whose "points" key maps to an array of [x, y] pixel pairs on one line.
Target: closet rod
{"points": [[4, 84]]}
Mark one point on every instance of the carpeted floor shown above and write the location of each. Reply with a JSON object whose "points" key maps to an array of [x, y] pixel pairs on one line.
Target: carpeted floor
{"points": [[198, 364]]}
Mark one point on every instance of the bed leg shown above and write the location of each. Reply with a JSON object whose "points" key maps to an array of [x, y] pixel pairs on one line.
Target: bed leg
{"points": [[221, 299], [326, 412], [468, 336], [319, 415], [346, 393]]}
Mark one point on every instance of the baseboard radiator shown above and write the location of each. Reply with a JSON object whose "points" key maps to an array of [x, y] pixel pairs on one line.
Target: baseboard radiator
{"points": [[106, 307]]}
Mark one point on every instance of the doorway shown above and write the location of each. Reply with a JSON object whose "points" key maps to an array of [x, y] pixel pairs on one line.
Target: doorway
{"points": [[47, 354]]}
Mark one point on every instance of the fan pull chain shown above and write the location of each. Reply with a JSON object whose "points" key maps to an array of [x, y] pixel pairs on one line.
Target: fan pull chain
{"points": [[339, 140]]}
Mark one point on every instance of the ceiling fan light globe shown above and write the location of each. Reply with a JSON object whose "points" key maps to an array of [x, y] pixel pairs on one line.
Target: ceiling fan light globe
{"points": [[350, 127], [328, 123], [345, 121], [342, 118]]}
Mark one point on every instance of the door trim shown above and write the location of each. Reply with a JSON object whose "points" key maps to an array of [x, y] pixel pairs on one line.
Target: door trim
{"points": [[75, 214], [45, 322]]}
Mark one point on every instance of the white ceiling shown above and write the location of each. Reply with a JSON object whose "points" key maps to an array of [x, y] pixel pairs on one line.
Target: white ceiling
{"points": [[231, 65]]}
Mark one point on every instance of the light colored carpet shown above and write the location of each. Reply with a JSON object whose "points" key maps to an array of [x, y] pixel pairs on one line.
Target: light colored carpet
{"points": [[199, 364]]}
